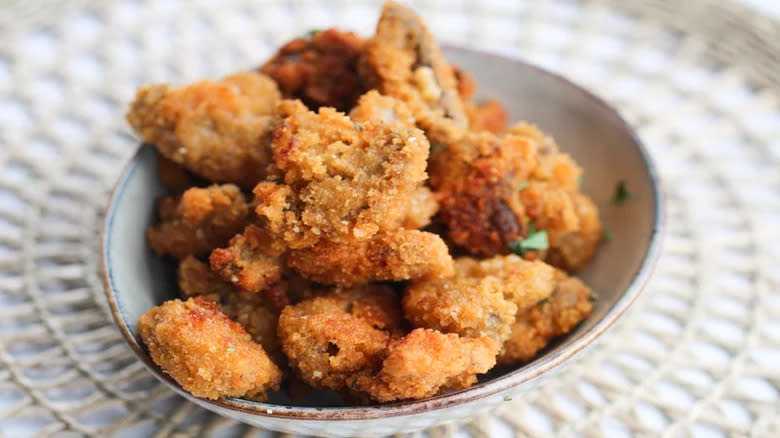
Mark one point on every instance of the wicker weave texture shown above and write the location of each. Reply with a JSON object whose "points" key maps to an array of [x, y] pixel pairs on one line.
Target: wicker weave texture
{"points": [[699, 354]]}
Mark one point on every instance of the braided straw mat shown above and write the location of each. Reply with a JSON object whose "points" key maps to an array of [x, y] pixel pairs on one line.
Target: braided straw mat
{"points": [[698, 355]]}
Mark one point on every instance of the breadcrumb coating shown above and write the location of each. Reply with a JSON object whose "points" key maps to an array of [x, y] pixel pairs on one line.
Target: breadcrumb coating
{"points": [[489, 115], [174, 177], [199, 221], [387, 256], [493, 188], [341, 180], [254, 312], [320, 70], [330, 338], [250, 262], [205, 352], [422, 206], [217, 130], [569, 304], [481, 299], [404, 61], [425, 363], [476, 181]]}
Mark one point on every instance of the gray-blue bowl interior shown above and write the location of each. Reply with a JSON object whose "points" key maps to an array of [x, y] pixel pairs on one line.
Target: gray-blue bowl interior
{"points": [[582, 124]]}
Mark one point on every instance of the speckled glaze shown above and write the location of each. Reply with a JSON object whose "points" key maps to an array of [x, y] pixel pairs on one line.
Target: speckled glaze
{"points": [[583, 125]]}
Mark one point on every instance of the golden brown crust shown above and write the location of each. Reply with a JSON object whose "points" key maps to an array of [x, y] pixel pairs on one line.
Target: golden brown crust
{"points": [[481, 299], [340, 180], [420, 209], [174, 177], [332, 337], [321, 69], [466, 84], [569, 304], [199, 221], [404, 61], [387, 256], [491, 189], [250, 262], [476, 181], [488, 115], [425, 363], [217, 130], [205, 352], [253, 311]]}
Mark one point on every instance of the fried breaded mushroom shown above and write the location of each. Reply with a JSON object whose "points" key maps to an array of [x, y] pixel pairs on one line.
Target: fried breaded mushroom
{"points": [[341, 180], [488, 115], [495, 190], [403, 60], [477, 181], [425, 363], [420, 209], [569, 304], [257, 314], [205, 352], [320, 69], [251, 262], [199, 221], [174, 177], [217, 130], [329, 338], [387, 256], [481, 299]]}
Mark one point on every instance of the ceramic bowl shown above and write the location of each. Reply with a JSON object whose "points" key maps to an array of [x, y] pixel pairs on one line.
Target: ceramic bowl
{"points": [[583, 125]]}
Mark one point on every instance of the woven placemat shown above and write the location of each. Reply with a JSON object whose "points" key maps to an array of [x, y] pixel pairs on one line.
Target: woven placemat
{"points": [[699, 354]]}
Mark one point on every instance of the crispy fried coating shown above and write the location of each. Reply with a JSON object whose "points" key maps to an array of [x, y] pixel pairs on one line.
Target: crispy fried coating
{"points": [[254, 312], [476, 181], [481, 299], [373, 106], [217, 130], [387, 256], [320, 70], [425, 363], [329, 338], [404, 61], [176, 178], [489, 115], [420, 209], [205, 352], [466, 84], [341, 180], [251, 261], [570, 303], [491, 189], [199, 221]]}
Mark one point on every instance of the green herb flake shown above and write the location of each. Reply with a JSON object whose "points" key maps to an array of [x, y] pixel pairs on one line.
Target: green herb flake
{"points": [[592, 298], [507, 398], [542, 301], [278, 181], [622, 194], [579, 180], [312, 33], [522, 186], [607, 236], [535, 240], [230, 350], [358, 126], [438, 146]]}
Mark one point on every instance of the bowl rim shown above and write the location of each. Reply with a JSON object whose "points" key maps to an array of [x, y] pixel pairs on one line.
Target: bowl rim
{"points": [[481, 390]]}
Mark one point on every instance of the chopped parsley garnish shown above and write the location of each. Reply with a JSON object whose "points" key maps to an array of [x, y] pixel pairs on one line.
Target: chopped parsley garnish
{"points": [[278, 180], [313, 32], [358, 126], [542, 301], [522, 186], [592, 298], [607, 236], [579, 180], [535, 240], [230, 350], [622, 195], [437, 146]]}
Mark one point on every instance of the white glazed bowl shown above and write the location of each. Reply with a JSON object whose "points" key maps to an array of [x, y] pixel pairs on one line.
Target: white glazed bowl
{"points": [[583, 125]]}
